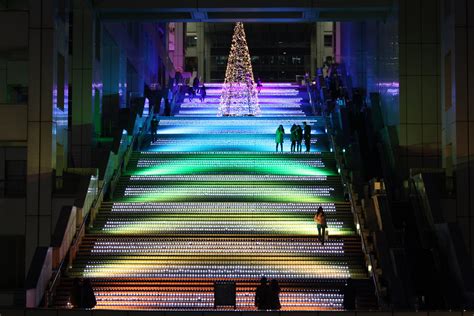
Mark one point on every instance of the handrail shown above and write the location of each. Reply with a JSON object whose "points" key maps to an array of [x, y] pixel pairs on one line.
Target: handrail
{"points": [[372, 265], [116, 161]]}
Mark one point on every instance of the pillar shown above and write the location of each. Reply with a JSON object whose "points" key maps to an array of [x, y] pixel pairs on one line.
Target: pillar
{"points": [[82, 79]]}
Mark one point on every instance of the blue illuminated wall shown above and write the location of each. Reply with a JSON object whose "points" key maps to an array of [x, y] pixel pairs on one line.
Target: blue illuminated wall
{"points": [[370, 52], [400, 59]]}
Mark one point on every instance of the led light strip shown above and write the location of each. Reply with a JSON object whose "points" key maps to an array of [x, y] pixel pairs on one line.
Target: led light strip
{"points": [[220, 190], [256, 247], [224, 178], [271, 226], [170, 269], [206, 300], [208, 207], [203, 141], [241, 122], [261, 163], [311, 155]]}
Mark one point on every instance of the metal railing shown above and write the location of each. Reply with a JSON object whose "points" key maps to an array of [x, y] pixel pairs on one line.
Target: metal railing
{"points": [[95, 195], [372, 266]]}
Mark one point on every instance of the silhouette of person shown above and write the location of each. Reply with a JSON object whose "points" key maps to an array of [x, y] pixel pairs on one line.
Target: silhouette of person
{"points": [[154, 128], [307, 136], [320, 219], [203, 93], [259, 85], [76, 293], [293, 137], [349, 295], [262, 295], [279, 136], [299, 138], [274, 300], [88, 296]]}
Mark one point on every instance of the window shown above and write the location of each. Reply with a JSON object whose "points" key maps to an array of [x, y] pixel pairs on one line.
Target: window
{"points": [[15, 178], [328, 40]]}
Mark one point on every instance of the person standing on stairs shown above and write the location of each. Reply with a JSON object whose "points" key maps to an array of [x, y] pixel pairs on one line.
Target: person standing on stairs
{"points": [[293, 137], [259, 85], [321, 224], [279, 137], [299, 138], [75, 297], [154, 128], [262, 295], [203, 92], [307, 136], [274, 295], [88, 295]]}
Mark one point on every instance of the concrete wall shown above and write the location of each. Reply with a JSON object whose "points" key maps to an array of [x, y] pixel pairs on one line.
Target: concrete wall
{"points": [[457, 56], [420, 120]]}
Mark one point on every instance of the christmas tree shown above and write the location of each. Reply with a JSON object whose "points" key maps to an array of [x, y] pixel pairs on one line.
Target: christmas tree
{"points": [[239, 95]]}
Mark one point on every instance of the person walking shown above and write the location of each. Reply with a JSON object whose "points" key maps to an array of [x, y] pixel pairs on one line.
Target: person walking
{"points": [[293, 137], [279, 137], [299, 138], [321, 224], [196, 83], [262, 295], [274, 295], [307, 136], [75, 298], [350, 295], [88, 295], [203, 92], [259, 85], [154, 128]]}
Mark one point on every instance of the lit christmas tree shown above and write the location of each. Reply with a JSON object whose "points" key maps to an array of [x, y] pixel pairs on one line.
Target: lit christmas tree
{"points": [[239, 95]]}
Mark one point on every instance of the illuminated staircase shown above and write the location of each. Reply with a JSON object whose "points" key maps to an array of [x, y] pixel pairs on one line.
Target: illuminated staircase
{"points": [[211, 200]]}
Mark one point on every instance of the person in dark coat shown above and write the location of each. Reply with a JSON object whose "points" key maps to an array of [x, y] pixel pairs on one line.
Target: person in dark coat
{"points": [[76, 293], [259, 85], [293, 137], [262, 295], [88, 295], [307, 136], [154, 128], [349, 292], [274, 295], [203, 93], [196, 83], [299, 138]]}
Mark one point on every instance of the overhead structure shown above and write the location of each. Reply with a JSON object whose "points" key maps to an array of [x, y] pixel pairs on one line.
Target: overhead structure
{"points": [[244, 10], [239, 95]]}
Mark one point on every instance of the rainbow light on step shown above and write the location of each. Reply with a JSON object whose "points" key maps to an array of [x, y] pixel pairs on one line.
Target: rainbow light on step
{"points": [[212, 207], [236, 192], [186, 166], [285, 267], [233, 121], [217, 247], [186, 300], [237, 143], [270, 226], [228, 178]]}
